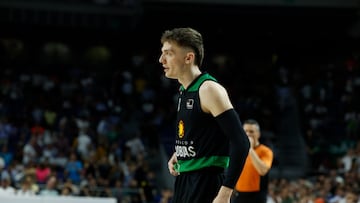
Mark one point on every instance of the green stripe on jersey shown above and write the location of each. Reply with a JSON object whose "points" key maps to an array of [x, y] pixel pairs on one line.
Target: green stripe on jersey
{"points": [[196, 164], [197, 83]]}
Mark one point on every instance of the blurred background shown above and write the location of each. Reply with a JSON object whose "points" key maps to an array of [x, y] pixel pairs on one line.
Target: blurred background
{"points": [[86, 111]]}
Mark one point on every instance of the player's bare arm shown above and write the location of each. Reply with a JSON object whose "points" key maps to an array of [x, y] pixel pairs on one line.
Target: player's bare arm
{"points": [[214, 98]]}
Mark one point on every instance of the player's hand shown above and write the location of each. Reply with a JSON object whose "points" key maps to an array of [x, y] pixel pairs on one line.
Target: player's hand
{"points": [[224, 195], [252, 141], [221, 199], [171, 165]]}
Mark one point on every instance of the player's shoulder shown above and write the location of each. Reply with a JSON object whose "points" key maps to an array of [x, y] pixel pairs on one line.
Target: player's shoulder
{"points": [[264, 147], [211, 85]]}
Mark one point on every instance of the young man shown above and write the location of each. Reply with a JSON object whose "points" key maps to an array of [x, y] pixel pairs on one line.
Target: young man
{"points": [[209, 136], [252, 185]]}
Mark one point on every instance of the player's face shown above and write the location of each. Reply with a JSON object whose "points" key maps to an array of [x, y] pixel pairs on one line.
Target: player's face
{"points": [[172, 59], [251, 131]]}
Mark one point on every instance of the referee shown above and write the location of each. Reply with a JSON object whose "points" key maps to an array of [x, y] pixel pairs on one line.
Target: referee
{"points": [[252, 185]]}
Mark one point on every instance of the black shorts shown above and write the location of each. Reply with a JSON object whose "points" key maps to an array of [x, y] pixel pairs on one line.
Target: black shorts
{"points": [[199, 186], [248, 197]]}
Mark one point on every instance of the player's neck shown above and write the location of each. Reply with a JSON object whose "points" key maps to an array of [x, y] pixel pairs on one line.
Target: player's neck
{"points": [[190, 77]]}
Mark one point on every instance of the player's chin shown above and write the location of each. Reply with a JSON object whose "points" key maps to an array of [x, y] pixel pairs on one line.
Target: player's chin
{"points": [[169, 75]]}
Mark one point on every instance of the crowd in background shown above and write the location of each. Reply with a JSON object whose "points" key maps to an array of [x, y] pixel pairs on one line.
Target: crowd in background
{"points": [[76, 132], [93, 130]]}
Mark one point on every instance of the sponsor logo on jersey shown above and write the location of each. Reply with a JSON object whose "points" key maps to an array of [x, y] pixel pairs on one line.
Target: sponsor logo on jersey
{"points": [[185, 151], [190, 104], [181, 129]]}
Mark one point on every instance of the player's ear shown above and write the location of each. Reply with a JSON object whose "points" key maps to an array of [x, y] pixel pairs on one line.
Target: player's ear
{"points": [[189, 57]]}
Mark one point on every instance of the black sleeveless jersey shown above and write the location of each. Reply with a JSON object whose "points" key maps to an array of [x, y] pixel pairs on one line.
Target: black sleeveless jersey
{"points": [[200, 142]]}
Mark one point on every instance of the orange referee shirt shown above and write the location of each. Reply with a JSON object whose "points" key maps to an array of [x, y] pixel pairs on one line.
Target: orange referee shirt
{"points": [[249, 180]]}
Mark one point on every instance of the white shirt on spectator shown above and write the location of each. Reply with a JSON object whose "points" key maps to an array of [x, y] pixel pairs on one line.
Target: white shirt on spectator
{"points": [[83, 142], [29, 152], [136, 146], [8, 191]]}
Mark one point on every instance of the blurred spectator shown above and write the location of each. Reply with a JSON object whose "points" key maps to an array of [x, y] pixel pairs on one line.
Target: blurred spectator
{"points": [[347, 159], [6, 185], [66, 191], [27, 187], [69, 188], [30, 151], [103, 171], [136, 145], [5, 131], [2, 163], [73, 169], [83, 144], [42, 172], [165, 196], [50, 187]]}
